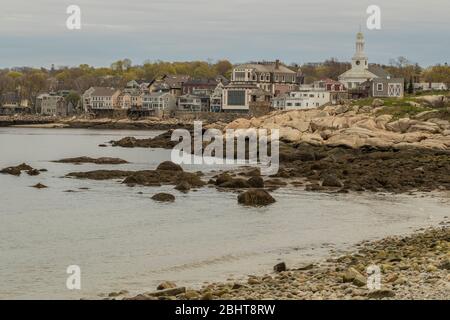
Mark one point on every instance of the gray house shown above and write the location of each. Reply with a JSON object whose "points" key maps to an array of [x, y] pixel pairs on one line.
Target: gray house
{"points": [[384, 88]]}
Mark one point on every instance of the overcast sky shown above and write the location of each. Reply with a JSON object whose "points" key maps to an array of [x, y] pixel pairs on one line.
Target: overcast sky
{"points": [[34, 33]]}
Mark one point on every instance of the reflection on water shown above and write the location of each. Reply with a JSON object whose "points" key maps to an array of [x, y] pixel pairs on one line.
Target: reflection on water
{"points": [[123, 240]]}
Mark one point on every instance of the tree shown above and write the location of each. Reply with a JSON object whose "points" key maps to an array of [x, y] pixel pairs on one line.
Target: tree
{"points": [[73, 97], [411, 86]]}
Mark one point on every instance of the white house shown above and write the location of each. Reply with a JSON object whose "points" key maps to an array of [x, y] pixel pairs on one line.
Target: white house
{"points": [[428, 86], [308, 98]]}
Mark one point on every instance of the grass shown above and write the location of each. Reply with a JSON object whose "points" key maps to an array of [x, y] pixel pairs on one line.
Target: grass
{"points": [[401, 107]]}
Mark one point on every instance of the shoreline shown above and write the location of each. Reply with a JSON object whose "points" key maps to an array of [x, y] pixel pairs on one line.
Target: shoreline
{"points": [[413, 266], [103, 123]]}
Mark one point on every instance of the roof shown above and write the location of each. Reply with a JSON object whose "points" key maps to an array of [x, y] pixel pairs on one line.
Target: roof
{"points": [[378, 71], [175, 80], [103, 91], [267, 67], [211, 82], [156, 94]]}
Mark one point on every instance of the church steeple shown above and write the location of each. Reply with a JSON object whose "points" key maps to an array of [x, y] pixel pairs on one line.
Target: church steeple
{"points": [[360, 59]]}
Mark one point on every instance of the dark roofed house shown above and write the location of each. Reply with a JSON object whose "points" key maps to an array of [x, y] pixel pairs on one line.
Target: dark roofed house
{"points": [[169, 83], [207, 85]]}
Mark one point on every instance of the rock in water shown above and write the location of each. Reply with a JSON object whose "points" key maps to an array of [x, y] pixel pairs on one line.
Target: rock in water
{"points": [[17, 170], [169, 166], [163, 197], [183, 186], [103, 160], [222, 178], [166, 285], [39, 186], [235, 184], [33, 172], [280, 267], [255, 198], [256, 182]]}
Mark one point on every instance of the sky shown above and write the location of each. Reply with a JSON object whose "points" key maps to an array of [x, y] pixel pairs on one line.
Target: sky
{"points": [[34, 33]]}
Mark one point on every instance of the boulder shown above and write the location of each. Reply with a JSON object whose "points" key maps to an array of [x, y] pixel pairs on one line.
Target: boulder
{"points": [[163, 197], [255, 198], [235, 184], [280, 267], [167, 292], [377, 103], [425, 127], [401, 125], [169, 166], [183, 186], [427, 115], [331, 180], [166, 285], [380, 294], [33, 172], [433, 100], [222, 178], [354, 276], [256, 182]]}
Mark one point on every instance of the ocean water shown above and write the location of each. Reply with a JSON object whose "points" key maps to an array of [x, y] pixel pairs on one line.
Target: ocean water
{"points": [[124, 240]]}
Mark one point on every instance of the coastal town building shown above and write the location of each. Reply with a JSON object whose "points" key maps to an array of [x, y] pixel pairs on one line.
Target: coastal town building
{"points": [[430, 86], [12, 103], [169, 83], [364, 79], [100, 98], [216, 98], [302, 99], [190, 102], [241, 97], [51, 104], [380, 88], [205, 85], [273, 77], [158, 103]]}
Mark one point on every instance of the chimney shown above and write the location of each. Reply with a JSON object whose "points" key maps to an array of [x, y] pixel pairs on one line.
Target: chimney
{"points": [[277, 64]]}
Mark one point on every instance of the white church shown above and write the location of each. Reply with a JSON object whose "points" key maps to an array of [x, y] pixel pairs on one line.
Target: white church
{"points": [[372, 77]]}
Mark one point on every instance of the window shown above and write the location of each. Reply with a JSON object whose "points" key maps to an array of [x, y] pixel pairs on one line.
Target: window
{"points": [[379, 87], [236, 97]]}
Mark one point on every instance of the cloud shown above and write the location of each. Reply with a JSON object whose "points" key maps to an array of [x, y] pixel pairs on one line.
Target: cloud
{"points": [[308, 30]]}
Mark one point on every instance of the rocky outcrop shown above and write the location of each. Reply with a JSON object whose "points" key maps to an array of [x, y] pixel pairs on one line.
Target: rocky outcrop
{"points": [[354, 127], [161, 141], [39, 186], [167, 173], [103, 160], [17, 170]]}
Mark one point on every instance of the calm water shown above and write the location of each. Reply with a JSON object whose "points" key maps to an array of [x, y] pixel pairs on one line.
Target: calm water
{"points": [[124, 240]]}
